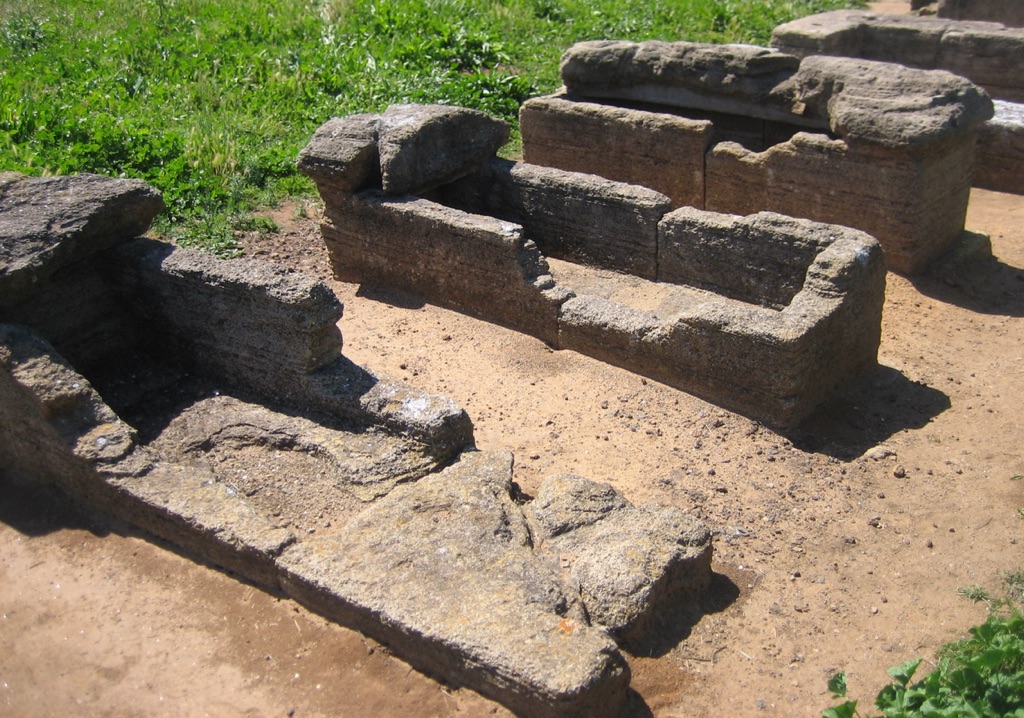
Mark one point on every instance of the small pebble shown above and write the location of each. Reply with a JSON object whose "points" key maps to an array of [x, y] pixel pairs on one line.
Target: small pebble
{"points": [[899, 472]]}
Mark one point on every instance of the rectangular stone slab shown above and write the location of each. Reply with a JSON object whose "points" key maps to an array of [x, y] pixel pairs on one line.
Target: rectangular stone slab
{"points": [[479, 265], [914, 205], [1000, 153], [988, 54], [570, 215], [661, 151]]}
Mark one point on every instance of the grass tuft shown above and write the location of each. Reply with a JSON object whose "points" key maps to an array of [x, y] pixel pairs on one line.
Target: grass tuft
{"points": [[210, 101]]}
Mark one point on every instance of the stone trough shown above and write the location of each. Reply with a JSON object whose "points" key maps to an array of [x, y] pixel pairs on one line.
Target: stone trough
{"points": [[741, 129], [207, 402], [764, 315], [987, 53]]}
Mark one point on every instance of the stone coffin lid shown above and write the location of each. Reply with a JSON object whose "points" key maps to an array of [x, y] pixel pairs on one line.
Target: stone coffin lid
{"points": [[47, 223], [860, 101]]}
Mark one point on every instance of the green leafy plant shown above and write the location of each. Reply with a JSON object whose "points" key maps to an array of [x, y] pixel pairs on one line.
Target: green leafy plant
{"points": [[981, 676]]}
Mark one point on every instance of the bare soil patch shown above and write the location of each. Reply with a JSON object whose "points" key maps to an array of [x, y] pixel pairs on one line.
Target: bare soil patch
{"points": [[841, 545]]}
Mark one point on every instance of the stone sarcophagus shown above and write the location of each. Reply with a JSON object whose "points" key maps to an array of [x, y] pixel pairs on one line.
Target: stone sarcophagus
{"points": [[987, 53], [217, 412], [869, 145], [765, 315]]}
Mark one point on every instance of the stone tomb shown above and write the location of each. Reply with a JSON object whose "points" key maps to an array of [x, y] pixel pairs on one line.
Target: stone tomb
{"points": [[988, 54], [220, 415], [741, 129], [1006, 12], [765, 315]]}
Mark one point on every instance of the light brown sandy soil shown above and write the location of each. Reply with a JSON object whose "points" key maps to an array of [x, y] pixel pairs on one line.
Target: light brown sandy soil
{"points": [[841, 546]]}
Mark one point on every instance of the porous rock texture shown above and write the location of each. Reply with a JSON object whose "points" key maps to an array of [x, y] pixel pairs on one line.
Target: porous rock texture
{"points": [[872, 145], [444, 570], [333, 491], [988, 54], [654, 149], [476, 264], [915, 205], [422, 146], [52, 227], [632, 563], [776, 365], [1000, 152], [408, 149], [47, 223], [767, 315], [578, 217], [1007, 12], [878, 104]]}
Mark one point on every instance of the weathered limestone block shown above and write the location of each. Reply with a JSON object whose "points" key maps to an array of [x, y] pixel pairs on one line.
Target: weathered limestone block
{"points": [[443, 571], [1000, 153], [52, 416], [242, 319], [579, 217], [893, 156], [53, 233], [761, 259], [273, 332], [423, 146], [661, 151], [348, 390], [364, 465], [914, 205], [476, 264], [1007, 12], [632, 563], [58, 429], [988, 54], [884, 105], [739, 79], [861, 102], [775, 365], [343, 154], [47, 223]]}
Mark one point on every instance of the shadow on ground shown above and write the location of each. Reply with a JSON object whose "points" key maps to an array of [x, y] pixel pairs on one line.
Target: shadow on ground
{"points": [[867, 412], [670, 628], [986, 286]]}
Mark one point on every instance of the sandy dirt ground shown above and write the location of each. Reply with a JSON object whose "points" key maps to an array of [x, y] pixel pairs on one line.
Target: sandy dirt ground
{"points": [[839, 546], [842, 545]]}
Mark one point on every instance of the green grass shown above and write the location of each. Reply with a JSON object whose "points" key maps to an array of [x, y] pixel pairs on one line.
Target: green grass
{"points": [[211, 100]]}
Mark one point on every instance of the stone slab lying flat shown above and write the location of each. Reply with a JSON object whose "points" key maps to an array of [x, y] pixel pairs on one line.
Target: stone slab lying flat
{"points": [[988, 54], [47, 223], [1000, 152], [877, 104], [458, 538]]}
